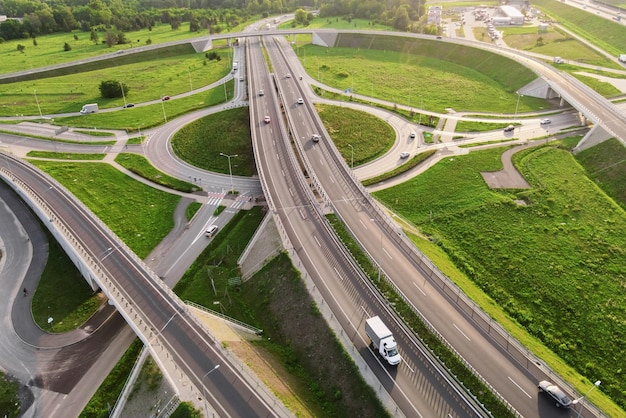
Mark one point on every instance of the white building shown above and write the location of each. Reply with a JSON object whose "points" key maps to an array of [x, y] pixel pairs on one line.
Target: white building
{"points": [[517, 18]]}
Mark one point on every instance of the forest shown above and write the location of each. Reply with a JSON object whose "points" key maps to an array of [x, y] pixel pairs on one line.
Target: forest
{"points": [[32, 18]]}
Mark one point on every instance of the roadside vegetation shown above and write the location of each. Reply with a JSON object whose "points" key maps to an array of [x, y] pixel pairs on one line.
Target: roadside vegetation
{"points": [[273, 300], [201, 142], [140, 165], [140, 215], [356, 133], [606, 34], [64, 155], [437, 75], [527, 257], [413, 162], [554, 42], [171, 72], [108, 392], [9, 400], [63, 300]]}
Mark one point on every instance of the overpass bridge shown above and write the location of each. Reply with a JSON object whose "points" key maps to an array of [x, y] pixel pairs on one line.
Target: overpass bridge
{"points": [[175, 338]]}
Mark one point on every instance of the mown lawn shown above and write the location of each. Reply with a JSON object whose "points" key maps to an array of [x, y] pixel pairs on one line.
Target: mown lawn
{"points": [[140, 215], [555, 264], [607, 34], [423, 75], [147, 80], [201, 142], [606, 165], [369, 136]]}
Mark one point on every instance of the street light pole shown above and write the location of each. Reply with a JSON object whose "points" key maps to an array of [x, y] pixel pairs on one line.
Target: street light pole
{"points": [[352, 156], [230, 170], [575, 401], [419, 122], [517, 105], [206, 412], [123, 95], [38, 107]]}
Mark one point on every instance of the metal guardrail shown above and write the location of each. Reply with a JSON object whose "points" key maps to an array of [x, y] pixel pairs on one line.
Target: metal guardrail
{"points": [[237, 323]]}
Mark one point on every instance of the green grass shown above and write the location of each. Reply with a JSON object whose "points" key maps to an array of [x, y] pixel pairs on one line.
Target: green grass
{"points": [[219, 210], [201, 142], [414, 161], [605, 163], [139, 165], [436, 74], [606, 34], [148, 80], [108, 392], [62, 294], [140, 215], [602, 87], [49, 49], [554, 42], [472, 126], [337, 23], [143, 117], [369, 136], [94, 133], [64, 155], [9, 400], [552, 262], [192, 209]]}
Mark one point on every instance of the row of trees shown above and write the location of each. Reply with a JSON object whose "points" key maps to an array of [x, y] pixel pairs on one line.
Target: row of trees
{"points": [[39, 18]]}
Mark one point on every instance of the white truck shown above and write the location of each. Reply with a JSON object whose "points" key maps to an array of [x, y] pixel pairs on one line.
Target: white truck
{"points": [[89, 108], [235, 65], [382, 340], [622, 58]]}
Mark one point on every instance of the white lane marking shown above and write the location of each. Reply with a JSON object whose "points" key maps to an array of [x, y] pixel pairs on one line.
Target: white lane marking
{"points": [[283, 171], [519, 387], [291, 192], [318, 243], [277, 157], [388, 255], [337, 272], [462, 333], [362, 223], [331, 179], [418, 288]]}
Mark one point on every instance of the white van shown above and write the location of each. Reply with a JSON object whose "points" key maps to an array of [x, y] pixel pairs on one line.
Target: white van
{"points": [[211, 231]]}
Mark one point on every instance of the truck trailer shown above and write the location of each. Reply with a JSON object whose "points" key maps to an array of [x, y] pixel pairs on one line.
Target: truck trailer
{"points": [[382, 340], [622, 58], [89, 108]]}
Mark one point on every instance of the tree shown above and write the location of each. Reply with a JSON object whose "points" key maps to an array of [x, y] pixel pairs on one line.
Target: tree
{"points": [[401, 19], [112, 89], [93, 37], [67, 47], [21, 48], [34, 41], [110, 39]]}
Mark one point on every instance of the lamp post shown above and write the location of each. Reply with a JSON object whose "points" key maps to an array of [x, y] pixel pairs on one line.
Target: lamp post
{"points": [[217, 366], [419, 122], [190, 85], [230, 170], [517, 105], [163, 107], [575, 401], [123, 95], [38, 107], [352, 156]]}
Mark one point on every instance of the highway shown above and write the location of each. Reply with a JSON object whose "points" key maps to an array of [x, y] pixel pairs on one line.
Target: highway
{"points": [[193, 348], [372, 229]]}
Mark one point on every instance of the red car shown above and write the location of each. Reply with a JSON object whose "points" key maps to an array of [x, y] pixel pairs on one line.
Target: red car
{"points": [[164, 98]]}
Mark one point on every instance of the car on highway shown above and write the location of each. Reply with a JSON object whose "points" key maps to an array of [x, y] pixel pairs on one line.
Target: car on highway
{"points": [[129, 105], [556, 393], [261, 92], [211, 231], [300, 101], [241, 78], [404, 154], [267, 119], [412, 135], [315, 138], [545, 121], [288, 75], [165, 98], [509, 128]]}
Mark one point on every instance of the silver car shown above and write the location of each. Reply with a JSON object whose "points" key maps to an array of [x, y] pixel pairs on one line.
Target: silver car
{"points": [[562, 400]]}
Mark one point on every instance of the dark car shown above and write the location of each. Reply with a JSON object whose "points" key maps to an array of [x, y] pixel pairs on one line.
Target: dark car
{"points": [[164, 98], [129, 105], [509, 128], [555, 392]]}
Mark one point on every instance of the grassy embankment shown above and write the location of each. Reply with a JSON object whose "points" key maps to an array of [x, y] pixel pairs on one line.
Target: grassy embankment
{"points": [[434, 74], [273, 300], [140, 165], [527, 258], [606, 34]]}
